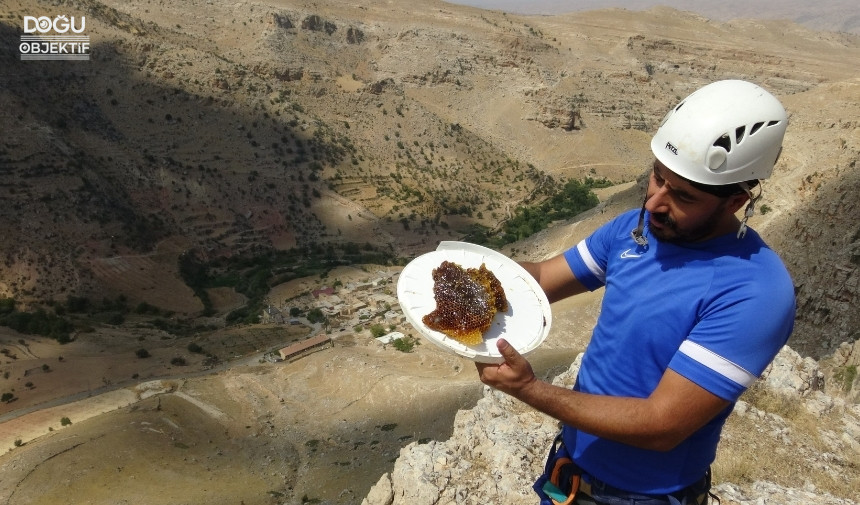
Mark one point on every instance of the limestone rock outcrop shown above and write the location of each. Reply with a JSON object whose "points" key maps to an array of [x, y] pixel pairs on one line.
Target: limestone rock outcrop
{"points": [[498, 447]]}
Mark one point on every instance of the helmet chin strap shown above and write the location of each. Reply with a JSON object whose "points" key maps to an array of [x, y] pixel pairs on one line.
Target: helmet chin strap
{"points": [[750, 210], [638, 232]]}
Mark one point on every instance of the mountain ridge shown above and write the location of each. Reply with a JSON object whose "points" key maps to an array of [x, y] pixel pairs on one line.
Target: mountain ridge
{"points": [[246, 131], [830, 15]]}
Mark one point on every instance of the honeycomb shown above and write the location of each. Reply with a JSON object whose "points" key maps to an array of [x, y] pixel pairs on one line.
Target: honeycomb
{"points": [[467, 300]]}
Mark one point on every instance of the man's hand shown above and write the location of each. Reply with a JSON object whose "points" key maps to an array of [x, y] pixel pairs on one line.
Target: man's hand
{"points": [[513, 376]]}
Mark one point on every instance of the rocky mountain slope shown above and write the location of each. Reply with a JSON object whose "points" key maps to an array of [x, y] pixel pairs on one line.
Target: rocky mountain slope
{"points": [[829, 15], [274, 126], [236, 130], [499, 446]]}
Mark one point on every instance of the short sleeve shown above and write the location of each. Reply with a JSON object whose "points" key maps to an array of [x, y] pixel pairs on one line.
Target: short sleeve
{"points": [[588, 260], [740, 332]]}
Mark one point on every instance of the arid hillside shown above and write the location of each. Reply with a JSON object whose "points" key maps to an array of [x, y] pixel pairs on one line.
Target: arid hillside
{"points": [[827, 15], [231, 130], [280, 134]]}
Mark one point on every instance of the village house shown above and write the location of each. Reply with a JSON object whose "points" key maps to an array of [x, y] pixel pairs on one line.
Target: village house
{"points": [[323, 291], [355, 305], [272, 315], [305, 347], [352, 308], [359, 286], [394, 317]]}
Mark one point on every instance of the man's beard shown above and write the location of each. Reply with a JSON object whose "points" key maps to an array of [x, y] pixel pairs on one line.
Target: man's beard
{"points": [[678, 235]]}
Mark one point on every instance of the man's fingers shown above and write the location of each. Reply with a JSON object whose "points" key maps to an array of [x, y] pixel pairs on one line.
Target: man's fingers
{"points": [[507, 351]]}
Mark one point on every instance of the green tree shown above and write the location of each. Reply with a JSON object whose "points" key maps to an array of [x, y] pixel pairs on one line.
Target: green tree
{"points": [[405, 344], [7, 305], [315, 315], [77, 304], [377, 330]]}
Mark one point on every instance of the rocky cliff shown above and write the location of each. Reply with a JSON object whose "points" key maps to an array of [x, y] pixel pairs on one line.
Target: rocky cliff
{"points": [[498, 447]]}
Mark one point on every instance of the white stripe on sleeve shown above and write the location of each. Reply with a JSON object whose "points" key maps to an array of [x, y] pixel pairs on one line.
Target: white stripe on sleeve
{"points": [[717, 363], [588, 259]]}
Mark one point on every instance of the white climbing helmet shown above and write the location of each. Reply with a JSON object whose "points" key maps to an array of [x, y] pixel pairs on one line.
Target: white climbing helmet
{"points": [[724, 133]]}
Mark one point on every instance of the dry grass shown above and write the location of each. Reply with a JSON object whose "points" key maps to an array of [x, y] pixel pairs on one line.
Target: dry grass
{"points": [[778, 440]]}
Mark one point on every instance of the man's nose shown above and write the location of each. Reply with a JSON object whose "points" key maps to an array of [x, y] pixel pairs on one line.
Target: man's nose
{"points": [[657, 201]]}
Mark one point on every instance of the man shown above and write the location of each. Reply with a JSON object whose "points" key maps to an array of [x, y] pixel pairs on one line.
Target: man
{"points": [[695, 308]]}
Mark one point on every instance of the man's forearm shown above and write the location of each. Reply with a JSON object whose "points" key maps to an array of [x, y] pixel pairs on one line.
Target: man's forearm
{"points": [[626, 420], [675, 409]]}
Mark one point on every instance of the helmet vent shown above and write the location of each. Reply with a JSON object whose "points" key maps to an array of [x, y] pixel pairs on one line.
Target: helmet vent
{"points": [[756, 127], [739, 133], [773, 123], [725, 142]]}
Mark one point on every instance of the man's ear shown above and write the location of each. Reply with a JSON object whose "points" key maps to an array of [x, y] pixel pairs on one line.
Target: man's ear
{"points": [[735, 202]]}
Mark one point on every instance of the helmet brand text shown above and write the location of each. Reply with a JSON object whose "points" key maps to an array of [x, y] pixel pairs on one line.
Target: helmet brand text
{"points": [[672, 148]]}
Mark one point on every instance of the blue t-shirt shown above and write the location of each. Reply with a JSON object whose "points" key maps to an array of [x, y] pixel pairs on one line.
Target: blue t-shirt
{"points": [[716, 312]]}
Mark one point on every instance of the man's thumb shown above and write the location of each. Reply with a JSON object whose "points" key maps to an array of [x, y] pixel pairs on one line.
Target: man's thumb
{"points": [[507, 351]]}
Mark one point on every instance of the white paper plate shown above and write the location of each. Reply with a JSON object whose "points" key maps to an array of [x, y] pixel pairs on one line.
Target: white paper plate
{"points": [[525, 325]]}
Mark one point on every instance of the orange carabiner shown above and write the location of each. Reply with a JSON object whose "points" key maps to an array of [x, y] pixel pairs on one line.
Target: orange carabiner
{"points": [[555, 492]]}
